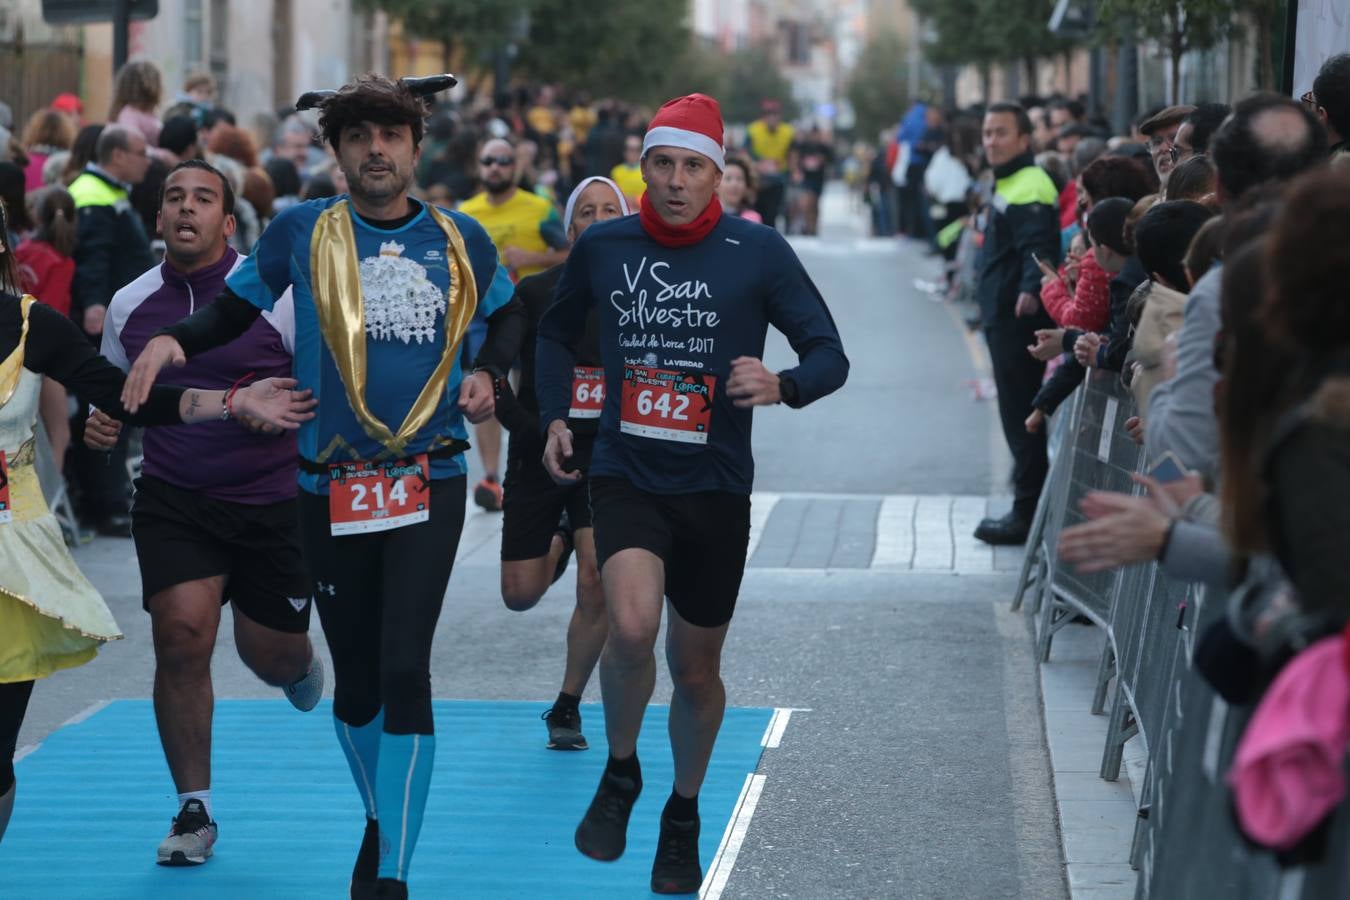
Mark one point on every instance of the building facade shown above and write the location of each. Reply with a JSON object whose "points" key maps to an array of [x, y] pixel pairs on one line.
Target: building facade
{"points": [[263, 53]]}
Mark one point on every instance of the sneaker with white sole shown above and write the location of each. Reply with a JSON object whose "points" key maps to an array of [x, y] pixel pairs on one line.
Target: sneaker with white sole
{"points": [[191, 837], [564, 728], [306, 693]]}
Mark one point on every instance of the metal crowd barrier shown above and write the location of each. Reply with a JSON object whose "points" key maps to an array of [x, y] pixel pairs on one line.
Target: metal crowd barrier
{"points": [[1187, 843], [54, 486]]}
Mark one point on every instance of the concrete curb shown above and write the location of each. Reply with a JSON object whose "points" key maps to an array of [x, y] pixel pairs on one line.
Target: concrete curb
{"points": [[1096, 817]]}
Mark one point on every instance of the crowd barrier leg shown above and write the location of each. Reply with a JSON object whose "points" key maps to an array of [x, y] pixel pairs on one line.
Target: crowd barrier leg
{"points": [[1054, 615], [1139, 843], [54, 488], [1033, 562], [1120, 727], [1106, 670]]}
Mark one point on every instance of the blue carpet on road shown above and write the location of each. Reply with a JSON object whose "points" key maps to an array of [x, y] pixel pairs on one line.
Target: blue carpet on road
{"points": [[95, 799]]}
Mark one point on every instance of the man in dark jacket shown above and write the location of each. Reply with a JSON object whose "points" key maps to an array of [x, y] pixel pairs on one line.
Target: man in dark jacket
{"points": [[1018, 226], [111, 251]]}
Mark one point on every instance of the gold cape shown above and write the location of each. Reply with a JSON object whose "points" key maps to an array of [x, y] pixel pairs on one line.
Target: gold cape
{"points": [[335, 266]]}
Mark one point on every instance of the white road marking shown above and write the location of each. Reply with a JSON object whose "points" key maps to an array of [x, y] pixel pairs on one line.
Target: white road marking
{"points": [[73, 720], [761, 507], [971, 555], [923, 533], [719, 872], [895, 533], [933, 547], [778, 723]]}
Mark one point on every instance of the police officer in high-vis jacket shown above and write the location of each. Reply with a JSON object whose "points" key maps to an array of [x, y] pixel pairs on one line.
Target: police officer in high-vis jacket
{"points": [[1018, 226]]}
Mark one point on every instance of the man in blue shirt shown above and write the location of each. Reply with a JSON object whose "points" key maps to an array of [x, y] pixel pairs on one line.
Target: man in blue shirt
{"points": [[384, 290], [685, 297]]}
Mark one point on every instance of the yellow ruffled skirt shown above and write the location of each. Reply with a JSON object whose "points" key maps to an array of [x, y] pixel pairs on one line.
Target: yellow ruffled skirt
{"points": [[51, 617]]}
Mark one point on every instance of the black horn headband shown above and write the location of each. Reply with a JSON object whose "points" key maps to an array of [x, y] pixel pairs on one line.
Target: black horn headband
{"points": [[418, 87]]}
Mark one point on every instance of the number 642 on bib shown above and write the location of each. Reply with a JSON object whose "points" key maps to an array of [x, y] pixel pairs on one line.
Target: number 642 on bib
{"points": [[666, 405]]}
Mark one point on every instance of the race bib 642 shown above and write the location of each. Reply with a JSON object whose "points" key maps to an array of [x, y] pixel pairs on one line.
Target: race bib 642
{"points": [[666, 405]]}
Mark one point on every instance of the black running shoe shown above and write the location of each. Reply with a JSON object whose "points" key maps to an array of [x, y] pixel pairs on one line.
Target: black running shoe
{"points": [[564, 532], [676, 869], [367, 869], [391, 889], [603, 832], [564, 728]]}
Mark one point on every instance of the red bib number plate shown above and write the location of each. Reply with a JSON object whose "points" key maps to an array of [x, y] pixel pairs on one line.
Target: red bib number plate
{"points": [[6, 512], [588, 393], [378, 496], [666, 405]]}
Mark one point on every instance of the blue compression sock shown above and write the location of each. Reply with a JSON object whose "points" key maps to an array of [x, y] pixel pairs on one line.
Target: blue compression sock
{"points": [[361, 746], [401, 785]]}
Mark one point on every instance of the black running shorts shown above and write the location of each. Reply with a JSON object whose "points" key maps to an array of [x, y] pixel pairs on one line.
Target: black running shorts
{"points": [[184, 536], [702, 538], [533, 503]]}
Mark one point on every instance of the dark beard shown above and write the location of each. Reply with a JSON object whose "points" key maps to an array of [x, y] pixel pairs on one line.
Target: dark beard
{"points": [[399, 185]]}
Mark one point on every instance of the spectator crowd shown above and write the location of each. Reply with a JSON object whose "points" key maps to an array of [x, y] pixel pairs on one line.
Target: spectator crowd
{"points": [[1201, 261]]}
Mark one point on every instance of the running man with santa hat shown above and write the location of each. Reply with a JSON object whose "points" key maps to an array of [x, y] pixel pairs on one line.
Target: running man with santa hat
{"points": [[685, 298]]}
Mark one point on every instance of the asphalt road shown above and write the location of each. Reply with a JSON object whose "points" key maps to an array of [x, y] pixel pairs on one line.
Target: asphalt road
{"points": [[920, 769]]}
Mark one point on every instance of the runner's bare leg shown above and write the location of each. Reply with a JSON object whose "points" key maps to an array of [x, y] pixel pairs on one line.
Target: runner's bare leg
{"points": [[183, 621], [589, 627], [634, 582], [694, 655]]}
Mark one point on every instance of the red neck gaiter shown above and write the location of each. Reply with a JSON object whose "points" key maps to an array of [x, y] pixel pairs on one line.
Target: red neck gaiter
{"points": [[667, 235]]}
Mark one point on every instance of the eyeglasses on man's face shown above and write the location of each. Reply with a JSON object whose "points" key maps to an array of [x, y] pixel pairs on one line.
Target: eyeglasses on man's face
{"points": [[1179, 152], [1167, 139]]}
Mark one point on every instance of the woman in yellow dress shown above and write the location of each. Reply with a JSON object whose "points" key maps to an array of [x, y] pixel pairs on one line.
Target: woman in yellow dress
{"points": [[51, 617]]}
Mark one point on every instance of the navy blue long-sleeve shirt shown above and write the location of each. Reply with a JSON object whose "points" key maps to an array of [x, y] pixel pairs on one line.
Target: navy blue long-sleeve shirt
{"points": [[671, 322]]}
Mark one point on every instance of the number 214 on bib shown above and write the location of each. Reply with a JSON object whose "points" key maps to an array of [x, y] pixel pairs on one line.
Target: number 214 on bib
{"points": [[378, 496]]}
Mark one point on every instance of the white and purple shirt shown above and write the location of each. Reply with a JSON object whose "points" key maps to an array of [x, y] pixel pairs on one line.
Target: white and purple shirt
{"points": [[222, 460]]}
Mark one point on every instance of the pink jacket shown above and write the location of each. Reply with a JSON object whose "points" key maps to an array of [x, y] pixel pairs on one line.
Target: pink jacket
{"points": [[32, 173], [1287, 773]]}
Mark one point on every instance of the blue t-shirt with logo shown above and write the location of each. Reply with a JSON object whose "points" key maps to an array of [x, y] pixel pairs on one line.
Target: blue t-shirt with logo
{"points": [[405, 280]]}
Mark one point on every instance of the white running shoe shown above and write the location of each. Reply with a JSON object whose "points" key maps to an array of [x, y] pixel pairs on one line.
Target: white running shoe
{"points": [[306, 693], [191, 837]]}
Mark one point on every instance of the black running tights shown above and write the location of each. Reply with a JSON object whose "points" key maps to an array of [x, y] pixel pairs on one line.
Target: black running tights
{"points": [[379, 596], [13, 704]]}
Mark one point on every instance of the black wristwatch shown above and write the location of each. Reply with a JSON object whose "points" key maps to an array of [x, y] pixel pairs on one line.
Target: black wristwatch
{"points": [[787, 389]]}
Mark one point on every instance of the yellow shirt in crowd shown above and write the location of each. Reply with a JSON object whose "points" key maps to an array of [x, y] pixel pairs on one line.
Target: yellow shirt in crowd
{"points": [[629, 180], [519, 222], [770, 144]]}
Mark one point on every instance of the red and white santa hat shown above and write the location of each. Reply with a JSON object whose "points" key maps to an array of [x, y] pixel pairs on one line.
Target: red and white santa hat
{"points": [[692, 122]]}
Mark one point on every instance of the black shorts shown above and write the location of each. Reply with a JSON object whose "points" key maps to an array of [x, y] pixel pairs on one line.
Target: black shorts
{"points": [[184, 536], [702, 538], [533, 503]]}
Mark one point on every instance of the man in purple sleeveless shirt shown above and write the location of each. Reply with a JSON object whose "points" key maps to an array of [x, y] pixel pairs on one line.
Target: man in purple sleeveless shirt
{"points": [[214, 517]]}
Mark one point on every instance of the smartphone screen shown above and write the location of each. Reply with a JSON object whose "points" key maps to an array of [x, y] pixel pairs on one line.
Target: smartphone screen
{"points": [[1168, 469]]}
